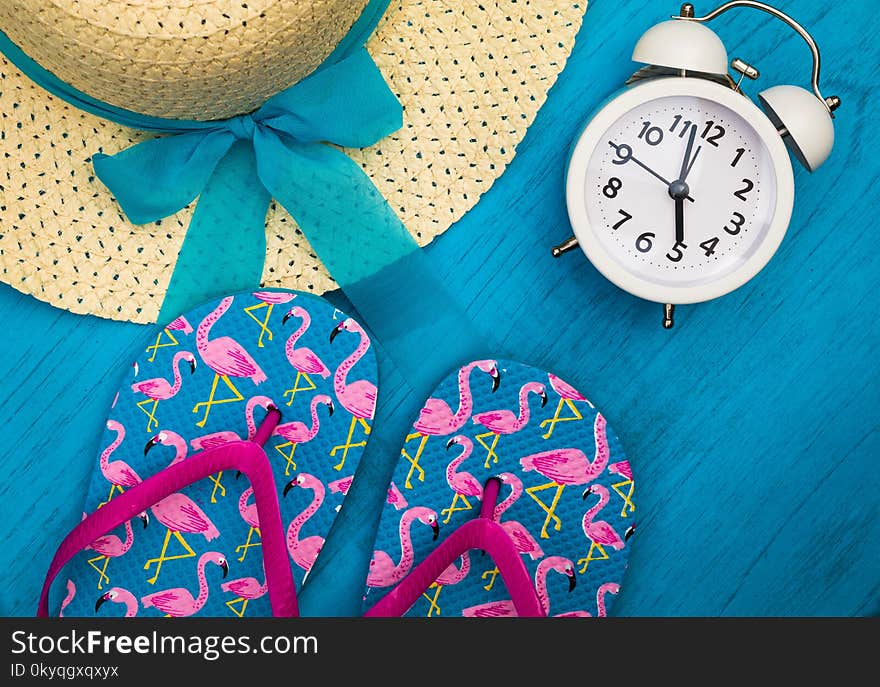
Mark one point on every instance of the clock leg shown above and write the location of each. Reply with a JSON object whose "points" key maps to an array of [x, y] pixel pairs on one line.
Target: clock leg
{"points": [[668, 316], [569, 244]]}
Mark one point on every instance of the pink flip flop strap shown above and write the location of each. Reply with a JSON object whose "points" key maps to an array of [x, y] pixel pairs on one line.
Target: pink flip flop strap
{"points": [[245, 456], [480, 533]]}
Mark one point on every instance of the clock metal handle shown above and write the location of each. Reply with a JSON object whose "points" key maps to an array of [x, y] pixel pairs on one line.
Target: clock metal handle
{"points": [[687, 14]]}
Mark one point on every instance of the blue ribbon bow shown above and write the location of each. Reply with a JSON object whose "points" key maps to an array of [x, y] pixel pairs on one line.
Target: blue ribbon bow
{"points": [[279, 151]]}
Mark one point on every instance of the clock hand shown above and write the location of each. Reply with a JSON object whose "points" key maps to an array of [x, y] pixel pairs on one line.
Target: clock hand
{"points": [[679, 190], [679, 221], [625, 154], [692, 161]]}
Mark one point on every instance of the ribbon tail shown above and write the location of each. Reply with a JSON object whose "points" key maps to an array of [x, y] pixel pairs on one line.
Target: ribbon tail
{"points": [[225, 245], [421, 328], [158, 177]]}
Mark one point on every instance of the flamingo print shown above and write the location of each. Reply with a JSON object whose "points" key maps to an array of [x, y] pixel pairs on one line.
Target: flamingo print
{"points": [[599, 532], [383, 571], [567, 466], [452, 575], [180, 515], [505, 608], [297, 433], [119, 595], [463, 484], [305, 551], [179, 602], [247, 589], [437, 419], [500, 422], [118, 472], [359, 397], [110, 546], [304, 360], [394, 497], [226, 357], [215, 439], [523, 540], [168, 438], [607, 588], [248, 513], [268, 300], [341, 485], [621, 468], [179, 325], [159, 389], [568, 395], [65, 602]]}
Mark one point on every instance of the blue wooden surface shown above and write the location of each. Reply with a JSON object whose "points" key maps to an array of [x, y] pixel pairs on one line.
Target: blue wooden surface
{"points": [[753, 426]]}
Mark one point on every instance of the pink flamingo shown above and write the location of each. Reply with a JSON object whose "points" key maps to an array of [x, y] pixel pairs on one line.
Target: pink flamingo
{"points": [[159, 389], [247, 589], [359, 397], [500, 422], [621, 468], [168, 438], [523, 540], [110, 546], [181, 325], [305, 551], [71, 592], [395, 498], [463, 484], [249, 515], [505, 608], [179, 602], [341, 485], [120, 596], [607, 588], [118, 473], [600, 532], [297, 433], [567, 466], [268, 300], [215, 439], [180, 515], [452, 575], [383, 572], [567, 395], [304, 360], [437, 419], [226, 357]]}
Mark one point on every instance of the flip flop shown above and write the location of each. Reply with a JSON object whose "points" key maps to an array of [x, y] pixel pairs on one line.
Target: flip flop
{"points": [[519, 502], [207, 379]]}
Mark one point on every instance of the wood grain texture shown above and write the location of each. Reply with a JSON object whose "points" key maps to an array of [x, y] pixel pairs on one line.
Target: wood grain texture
{"points": [[752, 426]]}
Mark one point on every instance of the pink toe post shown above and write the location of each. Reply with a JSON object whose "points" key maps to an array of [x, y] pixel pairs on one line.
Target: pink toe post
{"points": [[245, 456], [480, 533]]}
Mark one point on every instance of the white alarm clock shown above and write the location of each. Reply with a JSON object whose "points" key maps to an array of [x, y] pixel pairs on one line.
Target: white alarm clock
{"points": [[680, 189]]}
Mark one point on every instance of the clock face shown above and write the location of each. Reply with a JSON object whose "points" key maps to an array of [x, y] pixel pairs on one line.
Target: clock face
{"points": [[680, 191]]}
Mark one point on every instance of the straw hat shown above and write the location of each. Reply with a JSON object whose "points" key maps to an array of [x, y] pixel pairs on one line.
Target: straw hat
{"points": [[470, 77]]}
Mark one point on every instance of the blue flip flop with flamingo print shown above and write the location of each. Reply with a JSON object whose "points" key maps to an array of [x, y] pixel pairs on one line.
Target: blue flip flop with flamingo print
{"points": [[208, 378], [563, 494]]}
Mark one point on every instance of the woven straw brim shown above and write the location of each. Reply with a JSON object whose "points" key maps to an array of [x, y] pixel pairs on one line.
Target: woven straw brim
{"points": [[471, 78]]}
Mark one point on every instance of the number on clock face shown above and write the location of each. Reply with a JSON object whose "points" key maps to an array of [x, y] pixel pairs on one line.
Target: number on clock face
{"points": [[728, 191]]}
